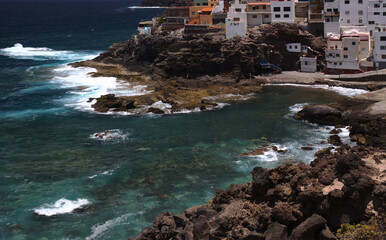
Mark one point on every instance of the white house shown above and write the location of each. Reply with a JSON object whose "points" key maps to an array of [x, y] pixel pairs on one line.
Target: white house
{"points": [[353, 12], [348, 52], [236, 21], [379, 51], [294, 47], [376, 14], [308, 64], [283, 11], [258, 12], [331, 17]]}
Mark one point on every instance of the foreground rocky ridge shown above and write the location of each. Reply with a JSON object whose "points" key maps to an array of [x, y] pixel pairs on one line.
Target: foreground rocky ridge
{"points": [[347, 185], [186, 70]]}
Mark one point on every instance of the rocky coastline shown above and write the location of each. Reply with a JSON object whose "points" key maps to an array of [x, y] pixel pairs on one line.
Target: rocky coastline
{"points": [[343, 185], [195, 71]]}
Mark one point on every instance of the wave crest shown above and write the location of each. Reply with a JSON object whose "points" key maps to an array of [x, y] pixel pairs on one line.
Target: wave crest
{"points": [[62, 206]]}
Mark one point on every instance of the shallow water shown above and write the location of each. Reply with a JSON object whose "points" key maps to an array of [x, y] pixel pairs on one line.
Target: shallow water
{"points": [[53, 162]]}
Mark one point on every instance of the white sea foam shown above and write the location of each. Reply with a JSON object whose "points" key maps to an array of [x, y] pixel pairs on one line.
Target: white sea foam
{"points": [[109, 172], [98, 230], [294, 109], [110, 135], [62, 206], [18, 51], [83, 86], [340, 90]]}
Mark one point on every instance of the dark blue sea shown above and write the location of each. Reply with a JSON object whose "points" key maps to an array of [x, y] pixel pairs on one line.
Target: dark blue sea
{"points": [[59, 181]]}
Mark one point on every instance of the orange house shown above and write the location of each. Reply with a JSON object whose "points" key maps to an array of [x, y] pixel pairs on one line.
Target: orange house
{"points": [[200, 15]]}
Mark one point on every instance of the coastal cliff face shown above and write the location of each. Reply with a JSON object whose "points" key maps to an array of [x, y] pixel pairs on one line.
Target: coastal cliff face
{"points": [[186, 71], [347, 185], [195, 55]]}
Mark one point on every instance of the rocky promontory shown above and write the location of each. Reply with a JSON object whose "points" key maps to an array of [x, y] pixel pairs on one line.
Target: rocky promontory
{"points": [[340, 195], [197, 71]]}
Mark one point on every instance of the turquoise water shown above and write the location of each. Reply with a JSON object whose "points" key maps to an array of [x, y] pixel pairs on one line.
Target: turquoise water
{"points": [[152, 164]]}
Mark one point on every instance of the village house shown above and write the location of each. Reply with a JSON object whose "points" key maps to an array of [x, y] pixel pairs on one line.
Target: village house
{"points": [[236, 21], [258, 12], [176, 18], [379, 51], [349, 52], [283, 11]]}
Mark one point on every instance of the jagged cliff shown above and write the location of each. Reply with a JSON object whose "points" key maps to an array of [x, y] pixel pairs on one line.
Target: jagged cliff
{"points": [[183, 70]]}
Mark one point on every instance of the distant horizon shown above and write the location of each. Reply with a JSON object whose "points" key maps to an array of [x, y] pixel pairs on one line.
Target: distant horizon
{"points": [[13, 1]]}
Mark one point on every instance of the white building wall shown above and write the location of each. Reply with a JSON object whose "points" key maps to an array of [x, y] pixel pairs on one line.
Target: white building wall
{"points": [[283, 11], [376, 14], [379, 52], [308, 64], [353, 12], [331, 17], [236, 21], [294, 47]]}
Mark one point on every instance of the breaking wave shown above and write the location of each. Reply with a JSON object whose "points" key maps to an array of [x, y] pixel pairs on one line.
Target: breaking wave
{"points": [[62, 206], [18, 51]]}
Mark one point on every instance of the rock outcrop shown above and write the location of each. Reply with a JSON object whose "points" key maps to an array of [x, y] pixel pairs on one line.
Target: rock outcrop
{"points": [[287, 202], [184, 70]]}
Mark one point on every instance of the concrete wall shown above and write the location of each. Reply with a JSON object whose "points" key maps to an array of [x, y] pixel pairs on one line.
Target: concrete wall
{"points": [[286, 13], [307, 64]]}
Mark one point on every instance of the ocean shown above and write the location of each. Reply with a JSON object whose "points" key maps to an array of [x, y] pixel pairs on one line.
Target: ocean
{"points": [[59, 180]]}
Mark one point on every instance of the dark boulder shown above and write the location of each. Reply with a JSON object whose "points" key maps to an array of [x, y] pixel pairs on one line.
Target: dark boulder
{"points": [[335, 140], [276, 231], [309, 229], [321, 114]]}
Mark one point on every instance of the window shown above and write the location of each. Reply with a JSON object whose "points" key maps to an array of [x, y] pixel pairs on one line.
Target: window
{"points": [[276, 9], [327, 19], [340, 63], [383, 47], [360, 1], [377, 5], [238, 9], [254, 16], [264, 7], [296, 47], [384, 5], [305, 63], [290, 47], [345, 49], [236, 19], [347, 2], [384, 13], [253, 8], [287, 9], [266, 16], [376, 13], [337, 55], [353, 43], [193, 13], [329, 10], [277, 15], [360, 21], [205, 4], [211, 4], [198, 4], [371, 32], [286, 15], [383, 38], [345, 56], [371, 22], [347, 12], [348, 20], [383, 56], [360, 12]]}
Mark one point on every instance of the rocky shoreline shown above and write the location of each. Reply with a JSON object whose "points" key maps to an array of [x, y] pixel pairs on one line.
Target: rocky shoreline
{"points": [[195, 71], [182, 72], [344, 185]]}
